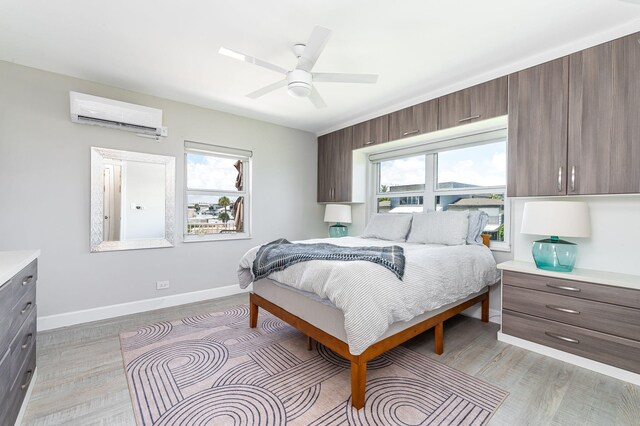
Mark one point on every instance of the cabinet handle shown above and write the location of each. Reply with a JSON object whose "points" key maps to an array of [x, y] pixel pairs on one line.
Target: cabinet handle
{"points": [[26, 307], [27, 280], [473, 117], [26, 341], [563, 338], [26, 382], [412, 132], [566, 310], [559, 178], [573, 178], [563, 287], [370, 142]]}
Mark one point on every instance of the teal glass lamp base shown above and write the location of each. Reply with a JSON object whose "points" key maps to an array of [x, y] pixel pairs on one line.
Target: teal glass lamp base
{"points": [[337, 230], [554, 254]]}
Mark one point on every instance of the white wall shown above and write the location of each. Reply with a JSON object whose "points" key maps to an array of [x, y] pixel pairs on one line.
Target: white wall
{"points": [[43, 205], [143, 185], [615, 234]]}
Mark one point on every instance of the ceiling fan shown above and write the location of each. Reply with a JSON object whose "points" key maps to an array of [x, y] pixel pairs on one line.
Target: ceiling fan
{"points": [[299, 81]]}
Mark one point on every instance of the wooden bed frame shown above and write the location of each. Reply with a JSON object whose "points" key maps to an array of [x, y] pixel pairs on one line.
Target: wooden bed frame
{"points": [[359, 362]]}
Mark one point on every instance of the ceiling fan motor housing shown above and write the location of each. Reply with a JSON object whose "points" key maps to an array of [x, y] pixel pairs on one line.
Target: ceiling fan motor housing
{"points": [[299, 83]]}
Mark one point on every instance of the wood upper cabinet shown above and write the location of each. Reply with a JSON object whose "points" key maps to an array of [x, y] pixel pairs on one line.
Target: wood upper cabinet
{"points": [[414, 120], [334, 166], [538, 113], [371, 132], [604, 118], [480, 102]]}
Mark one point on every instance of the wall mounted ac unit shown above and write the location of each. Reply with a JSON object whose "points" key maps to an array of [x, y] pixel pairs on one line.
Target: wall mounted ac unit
{"points": [[142, 120]]}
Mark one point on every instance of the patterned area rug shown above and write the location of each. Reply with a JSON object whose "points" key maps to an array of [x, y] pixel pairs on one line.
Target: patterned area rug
{"points": [[215, 370]]}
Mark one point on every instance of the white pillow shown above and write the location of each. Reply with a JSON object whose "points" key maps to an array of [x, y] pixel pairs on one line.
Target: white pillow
{"points": [[449, 228], [392, 226]]}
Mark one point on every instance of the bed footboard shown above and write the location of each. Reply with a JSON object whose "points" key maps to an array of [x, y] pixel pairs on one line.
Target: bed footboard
{"points": [[359, 362]]}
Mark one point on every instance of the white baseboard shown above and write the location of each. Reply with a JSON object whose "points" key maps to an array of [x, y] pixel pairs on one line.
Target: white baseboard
{"points": [[495, 315], [50, 322], [589, 364]]}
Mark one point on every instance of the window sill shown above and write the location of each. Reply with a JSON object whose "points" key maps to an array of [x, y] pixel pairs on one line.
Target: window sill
{"points": [[499, 247], [218, 237]]}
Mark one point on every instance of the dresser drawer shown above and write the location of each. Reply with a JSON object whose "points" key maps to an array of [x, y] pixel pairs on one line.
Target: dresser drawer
{"points": [[5, 376], [22, 309], [22, 344], [6, 304], [613, 319], [605, 348], [583, 290], [19, 389], [25, 280]]}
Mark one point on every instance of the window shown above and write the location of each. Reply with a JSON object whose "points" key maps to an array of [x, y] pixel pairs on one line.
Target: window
{"points": [[217, 196], [451, 177]]}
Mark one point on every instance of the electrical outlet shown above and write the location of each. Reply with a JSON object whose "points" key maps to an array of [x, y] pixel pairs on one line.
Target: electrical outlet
{"points": [[161, 285]]}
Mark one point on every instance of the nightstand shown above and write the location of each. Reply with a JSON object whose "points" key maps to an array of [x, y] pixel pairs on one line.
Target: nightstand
{"points": [[588, 318]]}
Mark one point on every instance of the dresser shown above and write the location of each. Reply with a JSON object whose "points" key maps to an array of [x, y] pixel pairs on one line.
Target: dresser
{"points": [[589, 318], [18, 276]]}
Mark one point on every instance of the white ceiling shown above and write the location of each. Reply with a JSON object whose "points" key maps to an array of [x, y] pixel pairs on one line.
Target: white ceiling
{"points": [[418, 47]]}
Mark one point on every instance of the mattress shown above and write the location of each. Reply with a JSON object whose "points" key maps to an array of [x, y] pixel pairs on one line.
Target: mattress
{"points": [[322, 314]]}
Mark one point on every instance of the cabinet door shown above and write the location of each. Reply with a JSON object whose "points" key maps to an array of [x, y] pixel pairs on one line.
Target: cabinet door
{"points": [[342, 165], [421, 118], [371, 132], [489, 100], [537, 144], [325, 170], [334, 166], [604, 118], [480, 102]]}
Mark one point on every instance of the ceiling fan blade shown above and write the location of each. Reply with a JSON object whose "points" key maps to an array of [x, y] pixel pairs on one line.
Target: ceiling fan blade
{"points": [[246, 58], [316, 99], [314, 47], [330, 77], [267, 89]]}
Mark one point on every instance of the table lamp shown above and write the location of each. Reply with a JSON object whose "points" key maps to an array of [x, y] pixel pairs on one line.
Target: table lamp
{"points": [[339, 213], [556, 219]]}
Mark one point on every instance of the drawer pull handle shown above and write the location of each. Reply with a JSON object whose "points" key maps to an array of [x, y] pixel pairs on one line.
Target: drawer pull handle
{"points": [[473, 117], [26, 308], [412, 132], [27, 280], [370, 142], [27, 339], [26, 382], [566, 310], [563, 287], [563, 338]]}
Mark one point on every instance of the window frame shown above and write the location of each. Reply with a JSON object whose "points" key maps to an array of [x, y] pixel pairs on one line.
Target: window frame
{"points": [[431, 181], [226, 153]]}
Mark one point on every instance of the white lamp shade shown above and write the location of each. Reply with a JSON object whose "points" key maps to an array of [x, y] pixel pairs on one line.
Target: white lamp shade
{"points": [[556, 218], [337, 213]]}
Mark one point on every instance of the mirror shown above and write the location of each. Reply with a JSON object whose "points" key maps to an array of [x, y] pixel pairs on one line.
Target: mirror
{"points": [[132, 200]]}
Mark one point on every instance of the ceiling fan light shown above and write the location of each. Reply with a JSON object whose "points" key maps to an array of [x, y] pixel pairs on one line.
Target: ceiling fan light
{"points": [[299, 89]]}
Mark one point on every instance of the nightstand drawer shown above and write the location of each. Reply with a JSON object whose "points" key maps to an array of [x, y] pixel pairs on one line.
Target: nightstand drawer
{"points": [[583, 290], [605, 348], [613, 319]]}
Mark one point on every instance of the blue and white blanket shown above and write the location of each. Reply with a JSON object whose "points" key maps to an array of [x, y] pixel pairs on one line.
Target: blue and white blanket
{"points": [[280, 254]]}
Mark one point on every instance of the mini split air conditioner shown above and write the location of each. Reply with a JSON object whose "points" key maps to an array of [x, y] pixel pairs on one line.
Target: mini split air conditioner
{"points": [[144, 121]]}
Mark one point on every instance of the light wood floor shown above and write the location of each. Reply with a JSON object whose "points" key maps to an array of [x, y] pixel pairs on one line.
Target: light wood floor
{"points": [[81, 379]]}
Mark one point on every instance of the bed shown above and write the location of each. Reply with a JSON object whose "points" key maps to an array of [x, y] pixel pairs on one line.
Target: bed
{"points": [[361, 310]]}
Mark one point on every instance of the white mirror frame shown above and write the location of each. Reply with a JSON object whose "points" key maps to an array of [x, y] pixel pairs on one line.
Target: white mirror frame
{"points": [[98, 157]]}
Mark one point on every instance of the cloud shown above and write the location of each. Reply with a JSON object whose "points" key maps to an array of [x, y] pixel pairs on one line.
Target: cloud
{"points": [[206, 172]]}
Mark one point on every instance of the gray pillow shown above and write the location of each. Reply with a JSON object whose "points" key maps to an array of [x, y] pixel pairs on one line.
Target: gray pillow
{"points": [[449, 228], [392, 227], [477, 221]]}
